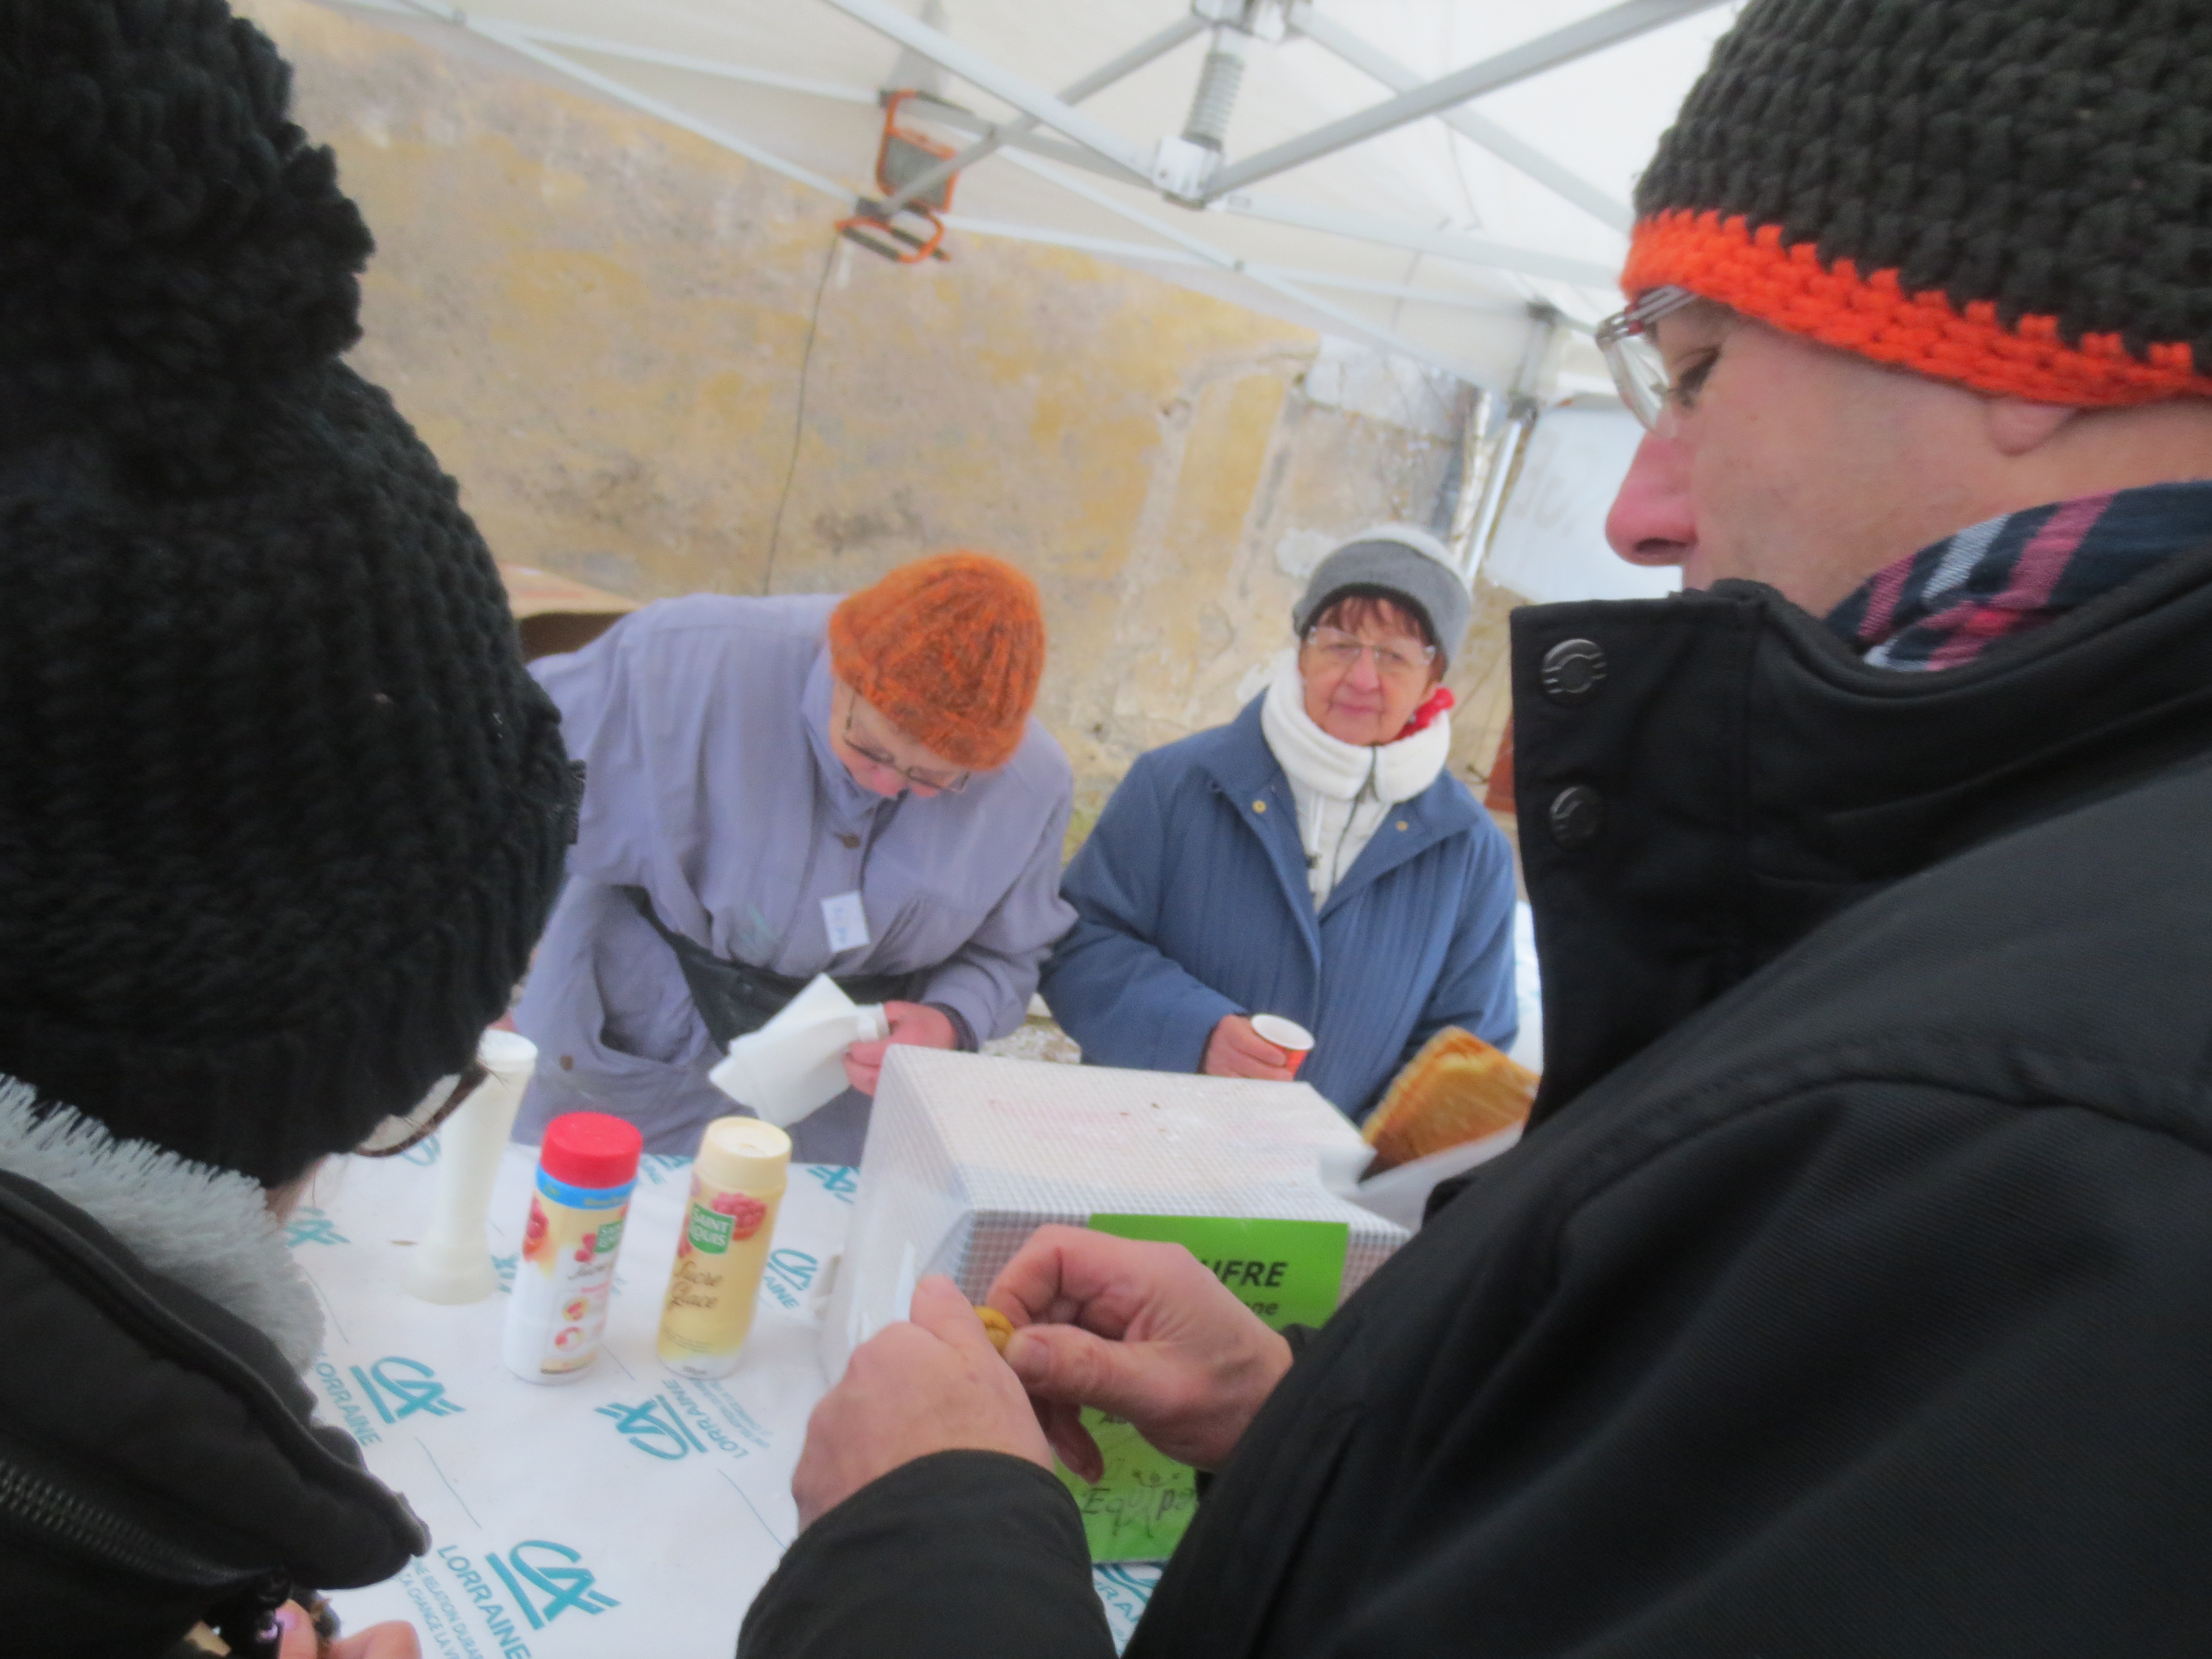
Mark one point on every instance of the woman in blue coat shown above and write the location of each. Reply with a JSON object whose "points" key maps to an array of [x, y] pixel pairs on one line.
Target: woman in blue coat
{"points": [[1311, 859]]}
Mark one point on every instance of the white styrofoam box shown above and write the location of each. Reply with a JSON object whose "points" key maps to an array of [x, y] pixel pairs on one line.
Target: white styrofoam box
{"points": [[968, 1154]]}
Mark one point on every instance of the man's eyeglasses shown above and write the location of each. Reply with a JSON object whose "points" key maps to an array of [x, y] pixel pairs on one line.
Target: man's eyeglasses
{"points": [[950, 783], [408, 1130], [1638, 369], [1342, 652]]}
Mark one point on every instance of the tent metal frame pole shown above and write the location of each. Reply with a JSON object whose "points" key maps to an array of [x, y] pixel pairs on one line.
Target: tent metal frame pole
{"points": [[963, 119], [973, 67], [1350, 320], [1020, 133], [1107, 247], [1524, 408], [1464, 249], [1417, 239], [1609, 28], [526, 42], [1468, 250], [1472, 463], [1075, 92], [514, 40], [720, 69], [542, 45], [1378, 66]]}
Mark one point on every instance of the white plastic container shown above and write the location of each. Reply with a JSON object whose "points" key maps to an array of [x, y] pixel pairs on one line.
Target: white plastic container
{"points": [[736, 1187], [796, 1063], [968, 1154], [579, 1203], [453, 1262]]}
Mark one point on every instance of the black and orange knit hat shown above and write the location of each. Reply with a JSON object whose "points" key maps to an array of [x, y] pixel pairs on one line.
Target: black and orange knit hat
{"points": [[2013, 195], [950, 649], [281, 812]]}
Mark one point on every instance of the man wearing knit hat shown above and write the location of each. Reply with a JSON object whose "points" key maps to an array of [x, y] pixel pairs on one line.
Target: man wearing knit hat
{"points": [[782, 787], [1846, 1297]]}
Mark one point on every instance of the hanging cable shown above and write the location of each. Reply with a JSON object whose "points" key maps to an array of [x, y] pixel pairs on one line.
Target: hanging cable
{"points": [[799, 419]]}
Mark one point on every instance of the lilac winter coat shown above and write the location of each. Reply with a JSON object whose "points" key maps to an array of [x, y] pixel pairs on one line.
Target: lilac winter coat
{"points": [[702, 724]]}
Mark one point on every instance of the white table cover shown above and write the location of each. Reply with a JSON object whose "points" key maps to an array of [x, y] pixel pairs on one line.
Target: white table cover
{"points": [[630, 1512]]}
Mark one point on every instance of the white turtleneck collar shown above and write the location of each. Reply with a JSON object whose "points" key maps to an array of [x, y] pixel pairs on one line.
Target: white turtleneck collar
{"points": [[1342, 789]]}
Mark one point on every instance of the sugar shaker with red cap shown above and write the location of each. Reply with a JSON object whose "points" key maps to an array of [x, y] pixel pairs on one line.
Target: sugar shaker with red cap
{"points": [[579, 1199]]}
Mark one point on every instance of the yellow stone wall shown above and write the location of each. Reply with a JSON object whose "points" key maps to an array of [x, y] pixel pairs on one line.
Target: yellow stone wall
{"points": [[601, 324]]}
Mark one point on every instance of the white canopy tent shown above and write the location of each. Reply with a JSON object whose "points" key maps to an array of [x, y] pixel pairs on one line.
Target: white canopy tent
{"points": [[1444, 179]]}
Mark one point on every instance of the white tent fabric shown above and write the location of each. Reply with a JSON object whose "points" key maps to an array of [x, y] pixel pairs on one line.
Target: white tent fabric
{"points": [[1550, 543], [1422, 239]]}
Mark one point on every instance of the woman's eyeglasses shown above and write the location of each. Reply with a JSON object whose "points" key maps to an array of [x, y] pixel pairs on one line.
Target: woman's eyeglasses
{"points": [[949, 783], [1342, 652], [402, 1133]]}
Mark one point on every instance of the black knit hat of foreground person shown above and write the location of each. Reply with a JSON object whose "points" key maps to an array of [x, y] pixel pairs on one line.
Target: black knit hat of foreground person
{"points": [[281, 813]]}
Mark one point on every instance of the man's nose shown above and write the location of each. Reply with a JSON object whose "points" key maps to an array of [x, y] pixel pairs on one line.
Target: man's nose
{"points": [[1653, 521]]}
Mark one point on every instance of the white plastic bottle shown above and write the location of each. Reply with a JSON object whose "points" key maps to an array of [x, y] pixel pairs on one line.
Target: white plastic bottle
{"points": [[453, 1263], [736, 1187], [578, 1205]]}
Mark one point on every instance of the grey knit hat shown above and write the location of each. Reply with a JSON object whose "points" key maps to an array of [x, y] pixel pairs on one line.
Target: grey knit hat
{"points": [[1400, 561]]}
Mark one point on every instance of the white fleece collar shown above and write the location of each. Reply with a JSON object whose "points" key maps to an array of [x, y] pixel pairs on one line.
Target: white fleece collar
{"points": [[208, 1229], [1345, 771]]}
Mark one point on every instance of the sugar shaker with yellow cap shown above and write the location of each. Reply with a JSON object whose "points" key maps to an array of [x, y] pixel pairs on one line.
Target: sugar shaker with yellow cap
{"points": [[736, 1186]]}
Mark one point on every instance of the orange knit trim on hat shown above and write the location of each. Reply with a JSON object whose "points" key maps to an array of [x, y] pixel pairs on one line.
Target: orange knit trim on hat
{"points": [[950, 650], [1787, 287]]}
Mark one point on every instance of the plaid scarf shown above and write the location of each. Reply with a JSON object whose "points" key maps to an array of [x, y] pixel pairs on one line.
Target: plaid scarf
{"points": [[1949, 603]]}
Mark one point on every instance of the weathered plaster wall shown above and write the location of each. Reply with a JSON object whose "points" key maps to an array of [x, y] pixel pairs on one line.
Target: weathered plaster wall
{"points": [[602, 324]]}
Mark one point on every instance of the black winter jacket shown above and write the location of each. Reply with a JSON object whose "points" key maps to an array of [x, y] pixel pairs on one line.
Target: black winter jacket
{"points": [[157, 1465], [1850, 1296]]}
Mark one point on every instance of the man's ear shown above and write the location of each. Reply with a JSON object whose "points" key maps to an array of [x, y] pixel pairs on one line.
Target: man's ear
{"points": [[2017, 427]]}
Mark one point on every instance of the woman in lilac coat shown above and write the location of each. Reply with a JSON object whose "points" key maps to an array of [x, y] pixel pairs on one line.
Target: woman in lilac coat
{"points": [[779, 787]]}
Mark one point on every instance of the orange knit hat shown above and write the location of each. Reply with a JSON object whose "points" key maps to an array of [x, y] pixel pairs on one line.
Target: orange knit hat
{"points": [[950, 650]]}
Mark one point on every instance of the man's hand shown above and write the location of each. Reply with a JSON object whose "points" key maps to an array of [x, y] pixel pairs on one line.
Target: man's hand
{"points": [[911, 1022], [1235, 1050], [934, 1384], [392, 1641], [1143, 1331]]}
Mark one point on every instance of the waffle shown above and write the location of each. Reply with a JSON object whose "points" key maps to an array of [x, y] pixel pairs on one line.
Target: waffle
{"points": [[1456, 1090]]}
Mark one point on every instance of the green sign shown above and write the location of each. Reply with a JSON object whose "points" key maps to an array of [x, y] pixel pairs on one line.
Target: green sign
{"points": [[710, 1229], [1289, 1272]]}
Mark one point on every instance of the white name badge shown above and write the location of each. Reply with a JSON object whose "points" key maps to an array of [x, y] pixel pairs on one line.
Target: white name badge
{"points": [[846, 922]]}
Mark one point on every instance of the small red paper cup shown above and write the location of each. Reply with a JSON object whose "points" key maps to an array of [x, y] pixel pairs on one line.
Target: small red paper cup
{"points": [[1292, 1038]]}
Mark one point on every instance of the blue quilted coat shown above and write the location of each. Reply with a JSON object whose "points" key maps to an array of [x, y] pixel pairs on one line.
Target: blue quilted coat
{"points": [[1192, 904]]}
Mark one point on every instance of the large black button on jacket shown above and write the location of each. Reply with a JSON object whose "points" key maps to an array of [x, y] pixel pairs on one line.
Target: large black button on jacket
{"points": [[1849, 1298]]}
